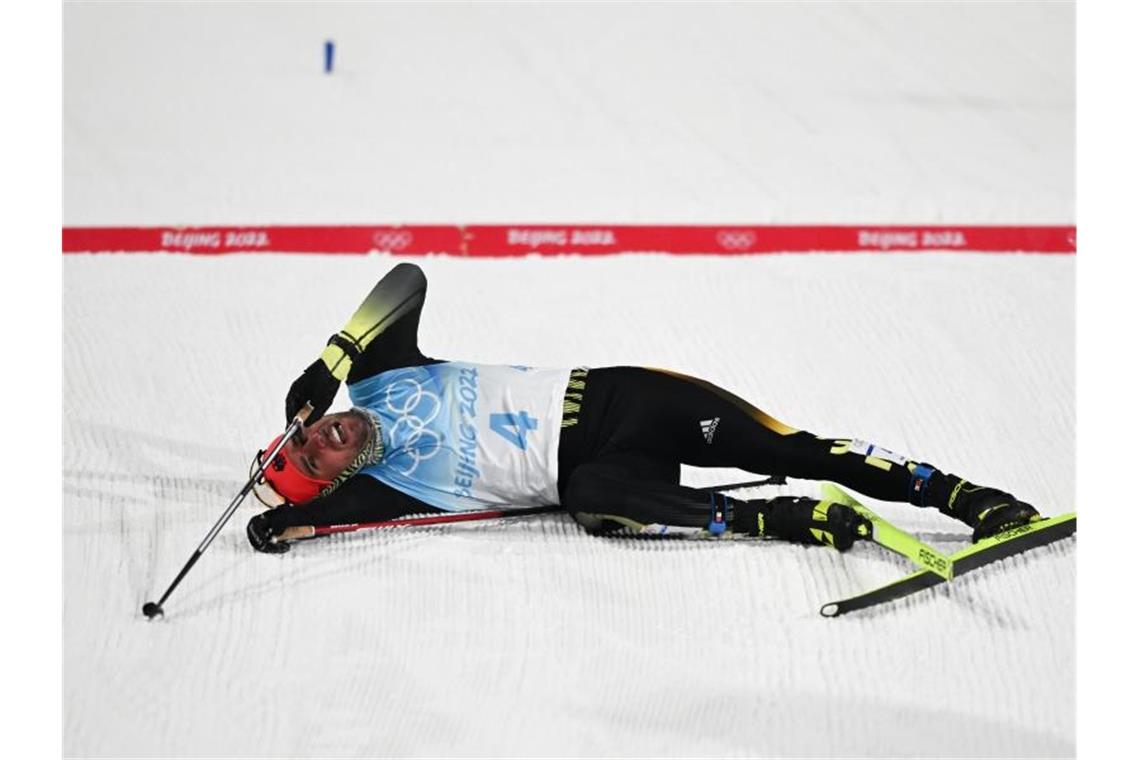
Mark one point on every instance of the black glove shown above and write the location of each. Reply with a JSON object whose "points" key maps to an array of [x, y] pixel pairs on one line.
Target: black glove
{"points": [[259, 531], [316, 386]]}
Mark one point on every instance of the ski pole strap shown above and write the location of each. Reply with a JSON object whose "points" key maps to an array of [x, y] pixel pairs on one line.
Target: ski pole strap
{"points": [[718, 511], [919, 479]]}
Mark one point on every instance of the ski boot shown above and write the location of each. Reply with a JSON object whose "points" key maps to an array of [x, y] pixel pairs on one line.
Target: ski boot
{"points": [[803, 520], [987, 510]]}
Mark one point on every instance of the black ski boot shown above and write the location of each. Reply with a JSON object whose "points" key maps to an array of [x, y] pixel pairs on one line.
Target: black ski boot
{"points": [[807, 521], [987, 510]]}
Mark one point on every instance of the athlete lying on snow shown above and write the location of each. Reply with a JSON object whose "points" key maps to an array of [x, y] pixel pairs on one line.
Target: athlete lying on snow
{"points": [[426, 435]]}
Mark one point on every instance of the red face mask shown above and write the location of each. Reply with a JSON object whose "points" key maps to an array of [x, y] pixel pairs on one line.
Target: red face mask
{"points": [[286, 481]]}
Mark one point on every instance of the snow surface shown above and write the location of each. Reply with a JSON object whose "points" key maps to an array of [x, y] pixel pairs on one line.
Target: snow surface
{"points": [[530, 638]]}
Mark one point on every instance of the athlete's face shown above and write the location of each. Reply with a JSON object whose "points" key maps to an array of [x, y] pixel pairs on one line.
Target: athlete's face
{"points": [[324, 449]]}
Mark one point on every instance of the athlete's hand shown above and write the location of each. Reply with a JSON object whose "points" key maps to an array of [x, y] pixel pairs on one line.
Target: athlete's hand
{"points": [[316, 386], [261, 537]]}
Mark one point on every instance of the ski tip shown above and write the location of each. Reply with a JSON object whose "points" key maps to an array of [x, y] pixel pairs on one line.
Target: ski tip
{"points": [[831, 609]]}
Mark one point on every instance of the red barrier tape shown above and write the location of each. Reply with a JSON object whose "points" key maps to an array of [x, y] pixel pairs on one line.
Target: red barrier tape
{"points": [[520, 240]]}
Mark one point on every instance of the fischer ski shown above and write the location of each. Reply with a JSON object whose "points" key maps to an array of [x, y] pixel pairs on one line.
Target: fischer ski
{"points": [[986, 551], [889, 537]]}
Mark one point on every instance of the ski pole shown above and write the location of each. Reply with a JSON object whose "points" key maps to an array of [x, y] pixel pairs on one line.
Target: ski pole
{"points": [[298, 532], [311, 531], [150, 609], [771, 480]]}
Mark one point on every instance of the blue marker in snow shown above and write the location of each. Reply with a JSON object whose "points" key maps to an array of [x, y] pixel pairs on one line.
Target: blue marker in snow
{"points": [[328, 56]]}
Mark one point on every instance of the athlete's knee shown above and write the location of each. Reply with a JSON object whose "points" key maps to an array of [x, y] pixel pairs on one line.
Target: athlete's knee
{"points": [[578, 493], [594, 524], [584, 498]]}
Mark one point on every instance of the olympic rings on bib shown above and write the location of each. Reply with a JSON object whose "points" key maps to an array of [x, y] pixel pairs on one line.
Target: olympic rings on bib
{"points": [[410, 435]]}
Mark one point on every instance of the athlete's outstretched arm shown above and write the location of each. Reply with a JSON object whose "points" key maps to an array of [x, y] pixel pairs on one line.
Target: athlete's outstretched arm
{"points": [[393, 309], [360, 499]]}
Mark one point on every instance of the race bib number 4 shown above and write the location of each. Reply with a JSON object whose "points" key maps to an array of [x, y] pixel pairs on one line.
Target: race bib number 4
{"points": [[514, 427]]}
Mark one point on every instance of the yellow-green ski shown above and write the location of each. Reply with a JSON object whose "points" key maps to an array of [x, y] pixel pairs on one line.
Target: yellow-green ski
{"points": [[889, 537], [1012, 541]]}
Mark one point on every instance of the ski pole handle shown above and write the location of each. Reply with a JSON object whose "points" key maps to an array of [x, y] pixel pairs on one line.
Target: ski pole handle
{"points": [[302, 415]]}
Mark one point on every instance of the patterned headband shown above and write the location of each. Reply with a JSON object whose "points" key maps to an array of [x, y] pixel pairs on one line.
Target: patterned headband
{"points": [[371, 453]]}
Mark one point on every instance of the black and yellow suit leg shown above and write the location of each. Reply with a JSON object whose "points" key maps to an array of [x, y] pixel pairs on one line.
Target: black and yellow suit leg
{"points": [[645, 423], [716, 428]]}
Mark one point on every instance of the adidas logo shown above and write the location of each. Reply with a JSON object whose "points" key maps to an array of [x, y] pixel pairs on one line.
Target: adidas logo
{"points": [[708, 428]]}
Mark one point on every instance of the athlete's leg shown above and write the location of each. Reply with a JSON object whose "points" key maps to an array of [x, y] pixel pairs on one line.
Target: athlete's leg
{"points": [[675, 417], [672, 416], [631, 491]]}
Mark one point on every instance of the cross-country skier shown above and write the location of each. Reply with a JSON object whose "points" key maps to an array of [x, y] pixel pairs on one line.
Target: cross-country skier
{"points": [[426, 435]]}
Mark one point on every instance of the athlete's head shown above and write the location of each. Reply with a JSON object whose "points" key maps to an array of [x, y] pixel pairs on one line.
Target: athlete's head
{"points": [[320, 457]]}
